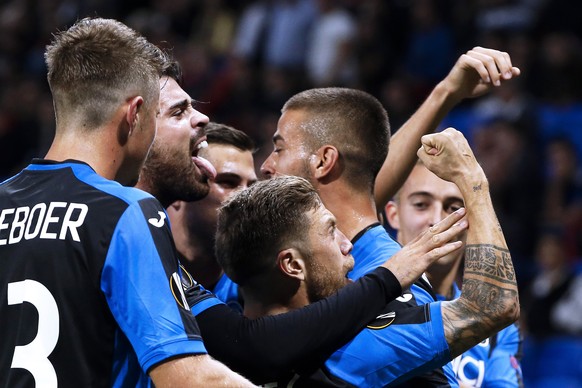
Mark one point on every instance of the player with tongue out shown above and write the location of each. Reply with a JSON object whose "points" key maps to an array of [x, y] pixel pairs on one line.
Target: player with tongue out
{"points": [[173, 170]]}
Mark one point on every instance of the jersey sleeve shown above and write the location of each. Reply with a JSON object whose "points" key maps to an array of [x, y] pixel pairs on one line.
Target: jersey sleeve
{"points": [[141, 283], [396, 347], [262, 349]]}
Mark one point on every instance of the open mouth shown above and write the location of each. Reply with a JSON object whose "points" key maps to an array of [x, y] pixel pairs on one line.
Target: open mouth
{"points": [[204, 165]]}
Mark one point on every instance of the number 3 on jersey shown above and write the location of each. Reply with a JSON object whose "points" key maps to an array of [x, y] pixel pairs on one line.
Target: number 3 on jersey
{"points": [[34, 356]]}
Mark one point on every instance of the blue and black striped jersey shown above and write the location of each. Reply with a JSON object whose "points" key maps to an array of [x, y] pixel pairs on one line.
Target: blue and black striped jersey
{"points": [[89, 282]]}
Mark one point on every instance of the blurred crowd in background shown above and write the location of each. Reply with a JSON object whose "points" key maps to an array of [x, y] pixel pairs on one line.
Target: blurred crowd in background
{"points": [[243, 59]]}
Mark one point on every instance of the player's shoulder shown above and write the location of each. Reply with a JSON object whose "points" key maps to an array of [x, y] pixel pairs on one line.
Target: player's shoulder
{"points": [[73, 173], [106, 193], [130, 195]]}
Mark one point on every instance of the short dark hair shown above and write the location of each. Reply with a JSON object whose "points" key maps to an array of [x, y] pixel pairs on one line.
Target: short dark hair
{"points": [[256, 223], [217, 133], [173, 70], [351, 120], [95, 64]]}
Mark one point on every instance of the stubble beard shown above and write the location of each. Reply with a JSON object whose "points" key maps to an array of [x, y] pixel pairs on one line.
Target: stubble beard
{"points": [[174, 177], [324, 283]]}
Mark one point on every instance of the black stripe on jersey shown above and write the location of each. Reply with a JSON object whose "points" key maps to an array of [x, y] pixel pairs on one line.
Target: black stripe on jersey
{"points": [[433, 379], [408, 315], [162, 235]]}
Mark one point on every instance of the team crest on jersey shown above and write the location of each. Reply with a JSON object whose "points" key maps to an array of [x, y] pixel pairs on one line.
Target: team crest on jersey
{"points": [[382, 321]]}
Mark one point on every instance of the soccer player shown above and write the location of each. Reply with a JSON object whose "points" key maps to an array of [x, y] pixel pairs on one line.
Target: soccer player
{"points": [[337, 138], [86, 262], [296, 255], [424, 200], [251, 347], [230, 151]]}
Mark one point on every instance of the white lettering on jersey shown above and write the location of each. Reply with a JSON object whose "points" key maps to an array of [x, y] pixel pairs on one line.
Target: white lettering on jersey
{"points": [[42, 221], [34, 356], [462, 361]]}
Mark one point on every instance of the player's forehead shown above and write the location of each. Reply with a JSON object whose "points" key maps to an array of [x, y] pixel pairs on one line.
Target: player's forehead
{"points": [[291, 127], [171, 93], [321, 217], [423, 181], [227, 154]]}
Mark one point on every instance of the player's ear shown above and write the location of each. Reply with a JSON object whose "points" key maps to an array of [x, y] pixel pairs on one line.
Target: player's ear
{"points": [[291, 263], [324, 161], [392, 215], [135, 107], [130, 120]]}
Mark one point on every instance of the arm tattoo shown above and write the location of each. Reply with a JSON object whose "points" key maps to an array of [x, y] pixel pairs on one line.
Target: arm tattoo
{"points": [[488, 300], [477, 188]]}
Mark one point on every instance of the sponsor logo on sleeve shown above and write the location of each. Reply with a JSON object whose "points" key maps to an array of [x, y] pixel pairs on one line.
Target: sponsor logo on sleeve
{"points": [[158, 223]]}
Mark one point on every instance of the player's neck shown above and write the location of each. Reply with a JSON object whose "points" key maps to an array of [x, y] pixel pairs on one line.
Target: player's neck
{"points": [[353, 210], [93, 149]]}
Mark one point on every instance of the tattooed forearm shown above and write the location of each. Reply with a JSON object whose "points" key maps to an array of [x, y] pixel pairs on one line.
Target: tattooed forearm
{"points": [[489, 299], [489, 261]]}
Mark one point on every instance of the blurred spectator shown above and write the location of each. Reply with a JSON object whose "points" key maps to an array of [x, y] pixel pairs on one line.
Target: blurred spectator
{"points": [[383, 27], [514, 173], [397, 97], [555, 293], [250, 33], [330, 57], [553, 346], [431, 51], [288, 27], [509, 102], [512, 15], [558, 80], [214, 27], [275, 32], [19, 125], [563, 195]]}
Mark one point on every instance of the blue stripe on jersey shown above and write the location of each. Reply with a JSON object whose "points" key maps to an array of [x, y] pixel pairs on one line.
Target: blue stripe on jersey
{"points": [[134, 270]]}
